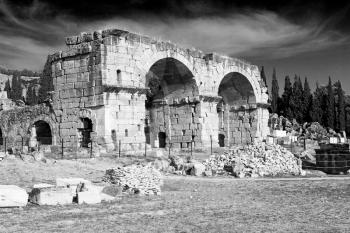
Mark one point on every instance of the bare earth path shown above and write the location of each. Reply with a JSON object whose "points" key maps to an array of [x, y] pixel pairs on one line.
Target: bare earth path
{"points": [[191, 204]]}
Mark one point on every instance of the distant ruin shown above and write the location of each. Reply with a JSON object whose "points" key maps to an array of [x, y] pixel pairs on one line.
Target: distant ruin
{"points": [[113, 85]]}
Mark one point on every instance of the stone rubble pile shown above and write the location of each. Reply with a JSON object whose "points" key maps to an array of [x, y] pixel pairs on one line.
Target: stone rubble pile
{"points": [[137, 179], [256, 160], [310, 130], [220, 164]]}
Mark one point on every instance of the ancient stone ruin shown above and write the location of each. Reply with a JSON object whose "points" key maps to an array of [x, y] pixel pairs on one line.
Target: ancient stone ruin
{"points": [[114, 85]]}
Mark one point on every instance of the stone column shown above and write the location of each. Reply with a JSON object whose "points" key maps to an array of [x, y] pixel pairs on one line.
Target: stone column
{"points": [[209, 119]]}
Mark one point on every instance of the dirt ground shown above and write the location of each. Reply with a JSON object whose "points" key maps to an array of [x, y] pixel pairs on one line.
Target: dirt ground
{"points": [[187, 204]]}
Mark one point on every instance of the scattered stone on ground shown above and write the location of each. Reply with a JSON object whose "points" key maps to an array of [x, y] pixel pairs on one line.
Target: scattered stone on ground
{"points": [[198, 169], [38, 155], [12, 196], [162, 165], [256, 160], [136, 179]]}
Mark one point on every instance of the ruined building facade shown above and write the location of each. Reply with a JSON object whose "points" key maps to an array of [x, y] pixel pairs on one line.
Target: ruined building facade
{"points": [[113, 85]]}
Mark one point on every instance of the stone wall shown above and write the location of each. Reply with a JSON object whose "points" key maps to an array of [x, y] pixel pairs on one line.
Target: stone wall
{"points": [[17, 123], [102, 76]]}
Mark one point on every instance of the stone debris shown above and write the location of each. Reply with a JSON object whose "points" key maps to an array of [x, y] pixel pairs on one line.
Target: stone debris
{"points": [[198, 169], [38, 155], [162, 165], [256, 160], [12, 196], [136, 179]]}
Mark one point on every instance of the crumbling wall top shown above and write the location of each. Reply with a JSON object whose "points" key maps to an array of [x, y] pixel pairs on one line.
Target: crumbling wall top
{"points": [[80, 44]]}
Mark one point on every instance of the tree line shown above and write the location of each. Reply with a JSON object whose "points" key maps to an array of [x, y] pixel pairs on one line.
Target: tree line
{"points": [[326, 105], [36, 92]]}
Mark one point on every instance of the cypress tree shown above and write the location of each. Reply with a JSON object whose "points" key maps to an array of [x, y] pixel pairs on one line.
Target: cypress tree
{"points": [[307, 101], [274, 92], [263, 76], [316, 110], [340, 121], [35, 96], [296, 101], [16, 90], [330, 108], [46, 82], [287, 93]]}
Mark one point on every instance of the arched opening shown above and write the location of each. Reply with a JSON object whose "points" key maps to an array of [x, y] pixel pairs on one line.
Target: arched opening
{"points": [[1, 138], [119, 77], [162, 139], [237, 110], [170, 102], [84, 133], [147, 132], [43, 133], [221, 140]]}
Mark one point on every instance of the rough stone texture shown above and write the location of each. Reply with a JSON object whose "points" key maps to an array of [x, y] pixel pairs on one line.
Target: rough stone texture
{"points": [[198, 169], [17, 123], [107, 76], [256, 160], [136, 179]]}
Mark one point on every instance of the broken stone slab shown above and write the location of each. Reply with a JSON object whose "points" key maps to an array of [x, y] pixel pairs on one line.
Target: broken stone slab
{"points": [[12, 196], [38, 155], [43, 185], [51, 196], [89, 197], [72, 183], [198, 169], [106, 193], [208, 173]]}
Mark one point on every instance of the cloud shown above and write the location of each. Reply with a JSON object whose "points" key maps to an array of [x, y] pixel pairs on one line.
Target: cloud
{"points": [[26, 41], [252, 34]]}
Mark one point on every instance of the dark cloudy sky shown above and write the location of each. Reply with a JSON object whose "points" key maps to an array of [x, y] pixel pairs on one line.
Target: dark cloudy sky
{"points": [[297, 37]]}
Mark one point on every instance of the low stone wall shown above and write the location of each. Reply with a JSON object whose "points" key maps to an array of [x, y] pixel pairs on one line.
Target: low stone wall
{"points": [[16, 124]]}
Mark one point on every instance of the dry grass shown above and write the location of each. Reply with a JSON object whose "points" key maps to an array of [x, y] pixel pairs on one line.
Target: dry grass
{"points": [[186, 205]]}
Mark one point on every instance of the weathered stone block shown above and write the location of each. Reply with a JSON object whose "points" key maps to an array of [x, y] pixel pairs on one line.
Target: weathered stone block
{"points": [[89, 197], [51, 196], [12, 196], [198, 169]]}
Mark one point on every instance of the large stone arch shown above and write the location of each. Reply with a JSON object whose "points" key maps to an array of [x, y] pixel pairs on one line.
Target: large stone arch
{"points": [[87, 113], [248, 74], [148, 59], [172, 104], [237, 111], [47, 119]]}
